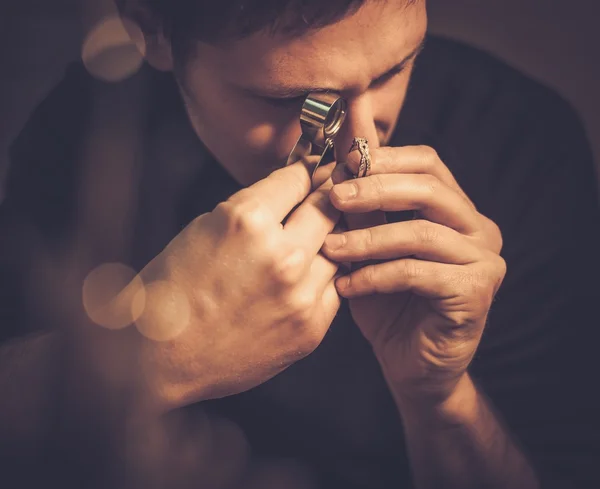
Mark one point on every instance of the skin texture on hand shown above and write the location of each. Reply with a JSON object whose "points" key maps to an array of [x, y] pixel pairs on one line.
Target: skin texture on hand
{"points": [[259, 294], [423, 304]]}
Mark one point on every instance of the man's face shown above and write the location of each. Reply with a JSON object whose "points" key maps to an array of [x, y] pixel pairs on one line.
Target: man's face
{"points": [[244, 100]]}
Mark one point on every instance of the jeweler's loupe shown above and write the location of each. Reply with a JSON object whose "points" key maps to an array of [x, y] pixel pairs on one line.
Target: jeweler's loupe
{"points": [[321, 119]]}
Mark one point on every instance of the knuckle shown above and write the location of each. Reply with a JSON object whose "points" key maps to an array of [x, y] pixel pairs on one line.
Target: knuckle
{"points": [[287, 271], [221, 216], [479, 287], [301, 305], [429, 156], [364, 279], [378, 185], [494, 227], [411, 269], [425, 232], [369, 240], [479, 280], [500, 266], [368, 276], [248, 216], [458, 320], [493, 234], [293, 181], [222, 209], [498, 238], [431, 183], [500, 269], [470, 279]]}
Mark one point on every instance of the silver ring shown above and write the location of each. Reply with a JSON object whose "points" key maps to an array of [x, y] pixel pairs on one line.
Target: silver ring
{"points": [[362, 145]]}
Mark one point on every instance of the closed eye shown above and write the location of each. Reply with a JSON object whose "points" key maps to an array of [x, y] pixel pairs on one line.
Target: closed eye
{"points": [[292, 96], [285, 102], [388, 76], [292, 102]]}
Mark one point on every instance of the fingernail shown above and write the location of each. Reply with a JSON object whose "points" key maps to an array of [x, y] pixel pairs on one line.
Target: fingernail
{"points": [[345, 191], [335, 241], [342, 283], [341, 174], [337, 176]]}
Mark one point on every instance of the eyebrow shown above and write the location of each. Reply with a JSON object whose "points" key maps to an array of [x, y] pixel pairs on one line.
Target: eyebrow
{"points": [[301, 91]]}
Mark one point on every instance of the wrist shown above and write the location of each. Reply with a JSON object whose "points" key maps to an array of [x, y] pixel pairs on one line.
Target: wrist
{"points": [[459, 406], [159, 314], [163, 384]]}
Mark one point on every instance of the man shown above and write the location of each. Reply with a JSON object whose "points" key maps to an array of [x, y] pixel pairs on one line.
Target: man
{"points": [[457, 352]]}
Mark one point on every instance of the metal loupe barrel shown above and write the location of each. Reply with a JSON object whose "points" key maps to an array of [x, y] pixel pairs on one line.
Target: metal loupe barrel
{"points": [[321, 118]]}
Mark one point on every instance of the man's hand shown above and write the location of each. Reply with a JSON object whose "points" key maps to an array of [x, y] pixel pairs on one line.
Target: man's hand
{"points": [[423, 304], [249, 294]]}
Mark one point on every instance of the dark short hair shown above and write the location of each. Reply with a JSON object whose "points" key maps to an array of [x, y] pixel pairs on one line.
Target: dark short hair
{"points": [[221, 21], [218, 21], [215, 21]]}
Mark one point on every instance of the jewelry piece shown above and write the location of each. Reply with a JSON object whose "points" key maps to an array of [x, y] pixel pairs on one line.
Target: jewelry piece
{"points": [[362, 145]]}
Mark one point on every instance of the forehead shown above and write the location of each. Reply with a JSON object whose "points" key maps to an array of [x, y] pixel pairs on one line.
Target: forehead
{"points": [[356, 49]]}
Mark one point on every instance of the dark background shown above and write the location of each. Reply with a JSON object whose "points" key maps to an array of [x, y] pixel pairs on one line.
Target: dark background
{"points": [[556, 41]]}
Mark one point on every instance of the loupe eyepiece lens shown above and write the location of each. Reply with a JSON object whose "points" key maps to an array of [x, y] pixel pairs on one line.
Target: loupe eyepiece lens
{"points": [[335, 118], [322, 117]]}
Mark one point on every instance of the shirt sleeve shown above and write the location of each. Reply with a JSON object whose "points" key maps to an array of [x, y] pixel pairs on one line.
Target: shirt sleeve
{"points": [[538, 358]]}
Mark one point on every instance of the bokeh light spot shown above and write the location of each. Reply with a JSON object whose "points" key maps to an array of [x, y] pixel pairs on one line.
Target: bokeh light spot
{"points": [[114, 49], [167, 311], [108, 293]]}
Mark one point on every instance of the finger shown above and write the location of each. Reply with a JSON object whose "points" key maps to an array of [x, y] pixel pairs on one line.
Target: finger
{"points": [[321, 280], [341, 173], [398, 192], [313, 220], [427, 279], [319, 274], [363, 221], [280, 192], [421, 238], [356, 221], [328, 307], [322, 174], [319, 317], [406, 159], [318, 289]]}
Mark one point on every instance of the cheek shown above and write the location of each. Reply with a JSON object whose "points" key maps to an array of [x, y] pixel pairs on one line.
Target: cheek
{"points": [[230, 124], [269, 132]]}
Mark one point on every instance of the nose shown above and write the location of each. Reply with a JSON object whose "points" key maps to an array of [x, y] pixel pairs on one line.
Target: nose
{"points": [[360, 122]]}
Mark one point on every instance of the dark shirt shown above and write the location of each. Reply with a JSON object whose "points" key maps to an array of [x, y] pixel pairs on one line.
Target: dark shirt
{"points": [[515, 147]]}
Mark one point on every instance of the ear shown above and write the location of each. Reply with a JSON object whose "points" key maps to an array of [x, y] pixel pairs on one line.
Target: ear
{"points": [[157, 47]]}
